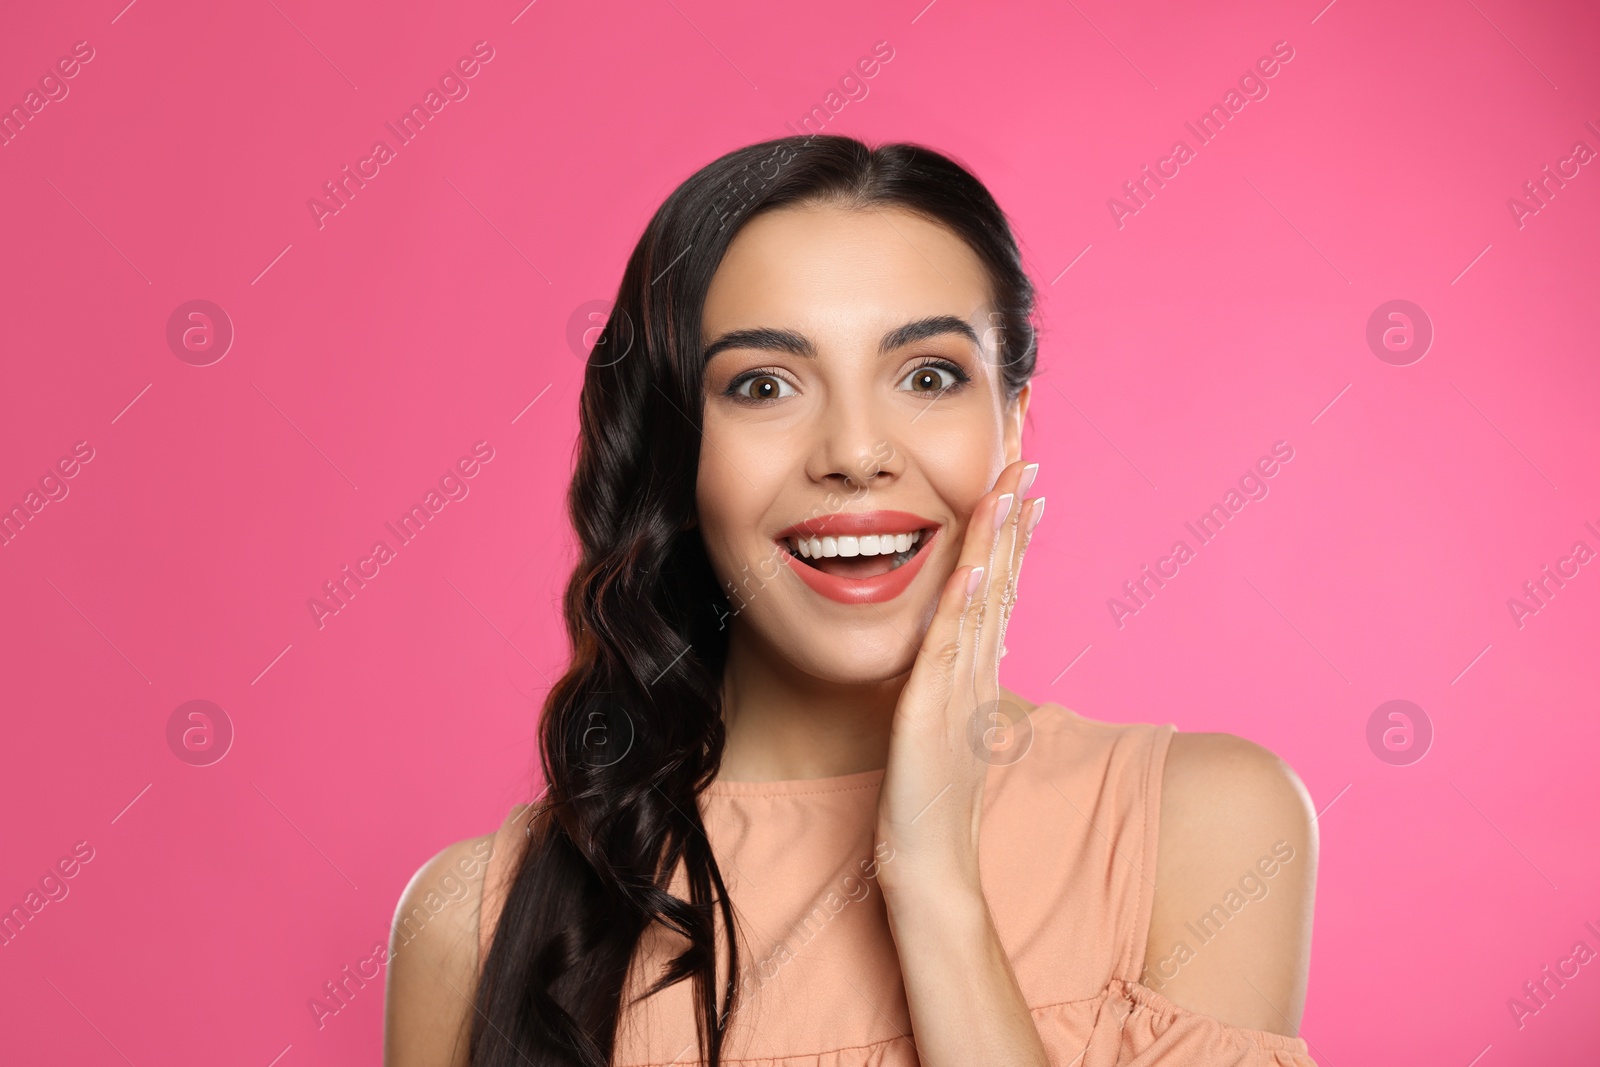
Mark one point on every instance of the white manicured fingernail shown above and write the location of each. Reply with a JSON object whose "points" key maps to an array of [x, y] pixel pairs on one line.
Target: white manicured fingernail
{"points": [[1029, 473], [1002, 508], [1038, 513], [973, 581]]}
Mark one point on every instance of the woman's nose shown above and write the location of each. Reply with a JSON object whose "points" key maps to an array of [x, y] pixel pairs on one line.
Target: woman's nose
{"points": [[853, 447]]}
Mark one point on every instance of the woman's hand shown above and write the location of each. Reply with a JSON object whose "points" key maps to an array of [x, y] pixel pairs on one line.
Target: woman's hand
{"points": [[932, 793], [966, 1007]]}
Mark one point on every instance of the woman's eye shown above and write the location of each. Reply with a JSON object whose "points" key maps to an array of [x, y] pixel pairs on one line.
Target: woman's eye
{"points": [[931, 378], [761, 387]]}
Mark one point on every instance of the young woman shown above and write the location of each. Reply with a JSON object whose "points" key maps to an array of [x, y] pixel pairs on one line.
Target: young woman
{"points": [[802, 504]]}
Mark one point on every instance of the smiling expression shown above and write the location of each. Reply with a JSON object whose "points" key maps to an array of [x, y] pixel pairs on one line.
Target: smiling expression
{"points": [[854, 415]]}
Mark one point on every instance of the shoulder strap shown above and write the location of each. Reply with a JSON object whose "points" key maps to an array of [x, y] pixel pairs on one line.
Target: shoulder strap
{"points": [[1153, 750]]}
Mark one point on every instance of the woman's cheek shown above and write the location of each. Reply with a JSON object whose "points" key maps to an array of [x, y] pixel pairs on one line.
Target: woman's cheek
{"points": [[962, 470]]}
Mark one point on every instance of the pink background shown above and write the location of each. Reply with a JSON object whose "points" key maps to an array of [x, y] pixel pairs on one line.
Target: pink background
{"points": [[1227, 314]]}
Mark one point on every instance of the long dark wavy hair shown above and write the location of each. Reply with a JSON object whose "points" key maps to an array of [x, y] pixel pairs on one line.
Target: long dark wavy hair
{"points": [[633, 731]]}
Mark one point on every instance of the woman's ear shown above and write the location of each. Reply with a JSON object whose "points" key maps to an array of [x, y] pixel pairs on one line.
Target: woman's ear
{"points": [[1015, 413]]}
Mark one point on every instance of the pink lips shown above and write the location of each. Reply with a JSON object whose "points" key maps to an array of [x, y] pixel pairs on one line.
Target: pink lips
{"points": [[879, 587]]}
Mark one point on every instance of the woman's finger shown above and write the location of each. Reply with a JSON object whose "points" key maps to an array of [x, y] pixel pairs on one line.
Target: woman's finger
{"points": [[1000, 580], [1028, 520], [983, 531], [933, 675], [947, 648]]}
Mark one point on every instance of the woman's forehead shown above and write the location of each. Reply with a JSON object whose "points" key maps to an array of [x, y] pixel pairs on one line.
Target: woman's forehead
{"points": [[830, 270]]}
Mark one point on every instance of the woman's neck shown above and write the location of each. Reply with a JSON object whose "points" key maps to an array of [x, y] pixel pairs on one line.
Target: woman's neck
{"points": [[784, 724]]}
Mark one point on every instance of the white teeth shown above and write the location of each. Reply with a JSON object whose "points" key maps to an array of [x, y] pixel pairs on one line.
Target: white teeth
{"points": [[863, 545]]}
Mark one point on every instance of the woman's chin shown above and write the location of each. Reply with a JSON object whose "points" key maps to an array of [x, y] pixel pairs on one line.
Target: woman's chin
{"points": [[867, 660]]}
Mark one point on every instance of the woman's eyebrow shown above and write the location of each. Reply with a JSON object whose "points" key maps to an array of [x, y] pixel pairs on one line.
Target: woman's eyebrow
{"points": [[765, 337], [922, 329], [775, 340]]}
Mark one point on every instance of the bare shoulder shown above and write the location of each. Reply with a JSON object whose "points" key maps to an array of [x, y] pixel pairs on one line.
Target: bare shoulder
{"points": [[433, 958], [1236, 868]]}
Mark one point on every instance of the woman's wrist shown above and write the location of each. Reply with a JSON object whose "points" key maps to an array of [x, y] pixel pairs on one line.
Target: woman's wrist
{"points": [[945, 929], [956, 899], [940, 923]]}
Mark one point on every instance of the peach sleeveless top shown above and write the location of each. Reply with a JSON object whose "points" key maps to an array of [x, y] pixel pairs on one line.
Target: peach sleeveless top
{"points": [[1067, 857]]}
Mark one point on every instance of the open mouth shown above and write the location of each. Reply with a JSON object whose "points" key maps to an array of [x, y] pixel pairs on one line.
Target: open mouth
{"points": [[858, 556]]}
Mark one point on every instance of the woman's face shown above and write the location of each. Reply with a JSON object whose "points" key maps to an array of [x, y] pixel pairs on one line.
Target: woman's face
{"points": [[853, 400]]}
